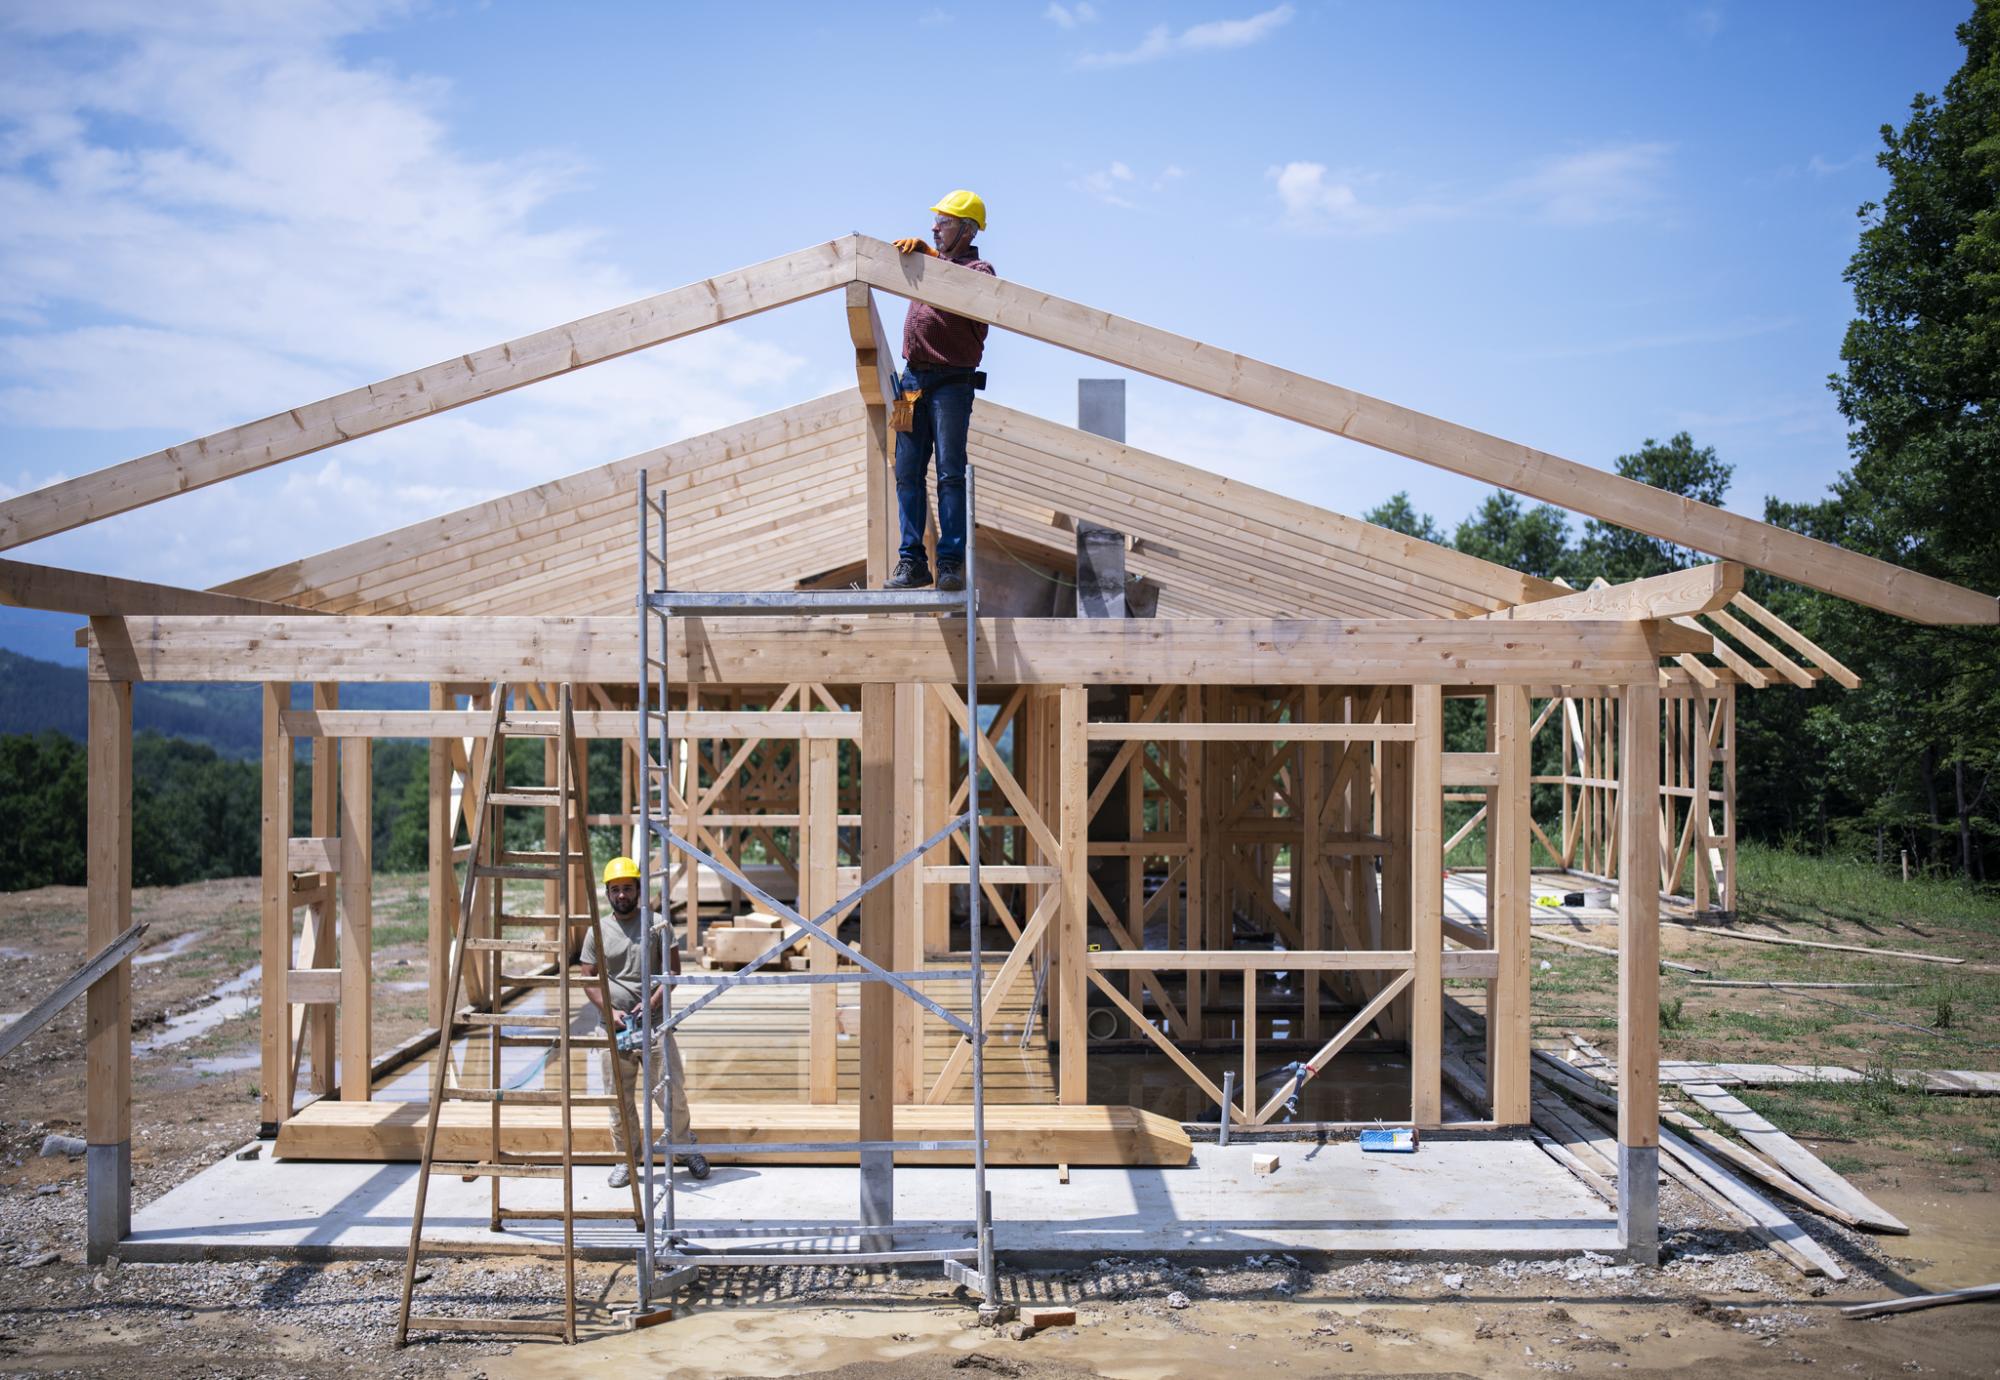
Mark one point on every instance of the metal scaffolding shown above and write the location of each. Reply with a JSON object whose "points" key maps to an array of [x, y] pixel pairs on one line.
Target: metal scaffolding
{"points": [[671, 1252]]}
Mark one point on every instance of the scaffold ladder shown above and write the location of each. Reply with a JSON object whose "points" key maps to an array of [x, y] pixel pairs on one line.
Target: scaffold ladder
{"points": [[551, 940]]}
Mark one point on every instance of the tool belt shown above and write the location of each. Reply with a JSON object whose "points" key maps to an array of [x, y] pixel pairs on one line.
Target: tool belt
{"points": [[903, 408]]}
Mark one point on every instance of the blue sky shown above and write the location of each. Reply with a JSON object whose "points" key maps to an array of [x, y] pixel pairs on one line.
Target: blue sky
{"points": [[1575, 226]]}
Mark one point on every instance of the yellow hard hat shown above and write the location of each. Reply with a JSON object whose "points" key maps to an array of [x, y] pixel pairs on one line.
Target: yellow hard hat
{"points": [[620, 870], [965, 205]]}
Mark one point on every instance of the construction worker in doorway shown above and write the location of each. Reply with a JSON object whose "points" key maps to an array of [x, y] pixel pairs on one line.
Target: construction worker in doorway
{"points": [[616, 942], [941, 353]]}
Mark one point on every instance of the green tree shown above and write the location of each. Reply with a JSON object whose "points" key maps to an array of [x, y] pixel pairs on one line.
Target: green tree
{"points": [[1913, 754], [1533, 540], [1680, 467], [1399, 515]]}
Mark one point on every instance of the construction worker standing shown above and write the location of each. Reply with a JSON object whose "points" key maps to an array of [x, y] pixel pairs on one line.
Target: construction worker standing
{"points": [[617, 939], [942, 354]]}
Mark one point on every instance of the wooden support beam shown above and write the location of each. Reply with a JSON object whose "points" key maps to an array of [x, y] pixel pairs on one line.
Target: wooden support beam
{"points": [[357, 921], [877, 1089], [1073, 932], [72, 987], [1698, 589], [1797, 640], [108, 1005], [1285, 732], [75, 591], [819, 844], [1402, 431], [862, 649], [1427, 906], [1639, 973], [908, 886], [425, 392], [441, 905], [875, 371], [314, 1030], [274, 1088], [1508, 1019]]}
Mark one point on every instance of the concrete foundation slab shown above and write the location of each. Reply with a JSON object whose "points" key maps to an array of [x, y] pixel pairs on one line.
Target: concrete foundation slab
{"points": [[1456, 1198]]}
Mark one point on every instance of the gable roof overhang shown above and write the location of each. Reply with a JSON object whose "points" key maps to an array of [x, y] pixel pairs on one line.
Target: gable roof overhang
{"points": [[1012, 306]]}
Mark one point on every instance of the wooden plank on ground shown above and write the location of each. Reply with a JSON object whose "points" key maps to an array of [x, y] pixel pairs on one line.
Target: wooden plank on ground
{"points": [[1793, 1158]]}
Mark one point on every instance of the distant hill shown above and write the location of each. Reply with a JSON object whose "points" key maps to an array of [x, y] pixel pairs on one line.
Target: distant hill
{"points": [[37, 695]]}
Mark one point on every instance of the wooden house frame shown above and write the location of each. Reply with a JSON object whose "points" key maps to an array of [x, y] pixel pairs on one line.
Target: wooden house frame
{"points": [[1287, 700]]}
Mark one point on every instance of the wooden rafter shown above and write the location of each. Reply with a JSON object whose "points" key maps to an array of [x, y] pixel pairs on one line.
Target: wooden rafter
{"points": [[425, 392], [1403, 431]]}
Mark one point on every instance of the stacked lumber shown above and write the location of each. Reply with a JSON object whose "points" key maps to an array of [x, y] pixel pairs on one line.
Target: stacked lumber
{"points": [[1573, 1114]]}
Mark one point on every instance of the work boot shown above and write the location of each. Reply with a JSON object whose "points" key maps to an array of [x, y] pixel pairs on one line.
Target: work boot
{"points": [[910, 574], [620, 1176], [951, 576], [697, 1164]]}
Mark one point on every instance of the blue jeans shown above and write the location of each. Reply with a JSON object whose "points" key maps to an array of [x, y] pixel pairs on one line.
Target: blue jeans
{"points": [[943, 415]]}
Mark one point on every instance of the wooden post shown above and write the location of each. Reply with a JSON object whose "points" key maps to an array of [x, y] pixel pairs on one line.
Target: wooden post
{"points": [[357, 919], [108, 1004], [442, 909], [819, 811], [1639, 976], [1727, 739], [1508, 1001], [907, 954], [878, 940], [1309, 909], [1193, 820], [1398, 869], [274, 1091], [940, 744], [1073, 836], [1427, 906], [316, 1022], [1704, 717]]}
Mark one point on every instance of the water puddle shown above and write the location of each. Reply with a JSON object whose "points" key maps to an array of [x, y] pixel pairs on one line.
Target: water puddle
{"points": [[236, 997], [171, 949]]}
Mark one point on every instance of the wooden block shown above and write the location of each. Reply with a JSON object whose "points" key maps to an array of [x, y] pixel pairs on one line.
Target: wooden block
{"points": [[1263, 1164], [1062, 1173], [730, 946], [1049, 1317]]}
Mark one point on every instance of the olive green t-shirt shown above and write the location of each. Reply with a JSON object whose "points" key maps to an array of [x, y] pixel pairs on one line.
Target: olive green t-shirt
{"points": [[618, 940]]}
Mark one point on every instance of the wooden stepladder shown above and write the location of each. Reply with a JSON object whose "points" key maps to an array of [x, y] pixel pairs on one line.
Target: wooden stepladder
{"points": [[550, 939]]}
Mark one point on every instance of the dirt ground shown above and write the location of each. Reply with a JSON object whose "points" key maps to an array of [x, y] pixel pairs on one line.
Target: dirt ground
{"points": [[1718, 1299]]}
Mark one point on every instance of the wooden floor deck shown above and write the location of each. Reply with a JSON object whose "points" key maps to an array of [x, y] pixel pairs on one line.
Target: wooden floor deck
{"points": [[746, 1060]]}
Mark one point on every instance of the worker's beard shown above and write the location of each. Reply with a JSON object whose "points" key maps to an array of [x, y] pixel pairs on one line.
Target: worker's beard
{"points": [[626, 911]]}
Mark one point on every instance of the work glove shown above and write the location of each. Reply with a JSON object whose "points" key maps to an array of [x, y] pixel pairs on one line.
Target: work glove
{"points": [[914, 246]]}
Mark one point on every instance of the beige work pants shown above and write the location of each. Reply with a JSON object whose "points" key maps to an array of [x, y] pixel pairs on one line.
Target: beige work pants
{"points": [[669, 1090]]}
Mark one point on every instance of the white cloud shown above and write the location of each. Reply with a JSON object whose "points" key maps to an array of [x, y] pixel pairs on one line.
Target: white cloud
{"points": [[1726, 333], [1069, 16], [1592, 187], [1117, 185], [1705, 22], [1615, 182], [1820, 166], [1211, 36], [208, 214]]}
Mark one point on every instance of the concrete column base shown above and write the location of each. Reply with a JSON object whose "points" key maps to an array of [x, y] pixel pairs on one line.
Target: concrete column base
{"points": [[108, 1198], [1639, 1203], [878, 1191]]}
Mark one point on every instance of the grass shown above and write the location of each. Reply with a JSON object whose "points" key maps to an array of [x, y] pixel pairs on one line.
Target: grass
{"points": [[1787, 885], [1929, 1017]]}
